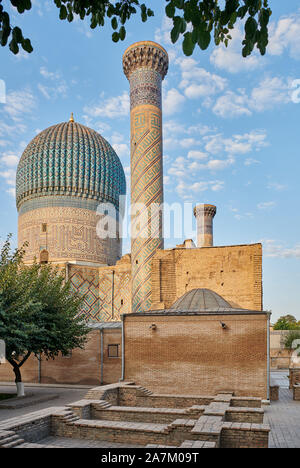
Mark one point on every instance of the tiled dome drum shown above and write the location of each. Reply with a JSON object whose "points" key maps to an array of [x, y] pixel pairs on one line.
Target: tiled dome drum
{"points": [[63, 176], [70, 159]]}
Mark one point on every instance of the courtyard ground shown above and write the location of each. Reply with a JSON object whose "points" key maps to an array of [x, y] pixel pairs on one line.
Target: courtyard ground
{"points": [[59, 396], [283, 416]]}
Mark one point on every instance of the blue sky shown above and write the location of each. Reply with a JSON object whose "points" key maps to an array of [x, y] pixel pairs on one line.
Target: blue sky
{"points": [[231, 125]]}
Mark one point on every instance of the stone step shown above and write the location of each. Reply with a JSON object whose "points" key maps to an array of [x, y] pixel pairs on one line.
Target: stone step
{"points": [[198, 444], [9, 438], [103, 404], [13, 444], [122, 425], [11, 441], [6, 434], [145, 391], [75, 418]]}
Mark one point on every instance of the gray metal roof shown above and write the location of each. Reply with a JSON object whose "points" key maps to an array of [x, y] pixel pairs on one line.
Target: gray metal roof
{"points": [[209, 312], [200, 300], [104, 325]]}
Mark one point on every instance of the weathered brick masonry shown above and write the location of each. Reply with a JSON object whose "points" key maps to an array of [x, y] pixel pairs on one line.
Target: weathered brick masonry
{"points": [[192, 354], [234, 272], [81, 367]]}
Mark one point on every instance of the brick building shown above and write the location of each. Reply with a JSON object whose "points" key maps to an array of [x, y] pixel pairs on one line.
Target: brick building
{"points": [[70, 184], [201, 345]]}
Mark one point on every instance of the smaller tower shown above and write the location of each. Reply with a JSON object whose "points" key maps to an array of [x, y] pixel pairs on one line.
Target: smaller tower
{"points": [[204, 215]]}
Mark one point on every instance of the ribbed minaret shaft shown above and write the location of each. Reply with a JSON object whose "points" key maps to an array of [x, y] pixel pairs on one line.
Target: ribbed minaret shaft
{"points": [[145, 65]]}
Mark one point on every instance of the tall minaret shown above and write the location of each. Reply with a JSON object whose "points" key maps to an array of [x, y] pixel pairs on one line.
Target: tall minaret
{"points": [[204, 215], [145, 65]]}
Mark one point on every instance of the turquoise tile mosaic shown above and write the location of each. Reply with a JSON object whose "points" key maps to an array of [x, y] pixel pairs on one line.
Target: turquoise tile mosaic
{"points": [[68, 162]]}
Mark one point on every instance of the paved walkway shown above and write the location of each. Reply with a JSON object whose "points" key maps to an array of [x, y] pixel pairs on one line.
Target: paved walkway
{"points": [[283, 416], [81, 443], [63, 396]]}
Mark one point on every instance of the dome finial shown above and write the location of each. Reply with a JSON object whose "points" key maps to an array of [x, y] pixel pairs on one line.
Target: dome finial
{"points": [[72, 117]]}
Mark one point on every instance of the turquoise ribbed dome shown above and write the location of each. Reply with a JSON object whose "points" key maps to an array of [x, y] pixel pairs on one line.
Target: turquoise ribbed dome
{"points": [[70, 160]]}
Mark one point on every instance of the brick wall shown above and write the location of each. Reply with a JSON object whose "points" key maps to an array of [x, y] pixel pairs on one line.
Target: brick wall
{"points": [[133, 396], [294, 376], [81, 368], [107, 290], [245, 436], [29, 371], [194, 355], [234, 272], [279, 355], [296, 392], [274, 392], [112, 366]]}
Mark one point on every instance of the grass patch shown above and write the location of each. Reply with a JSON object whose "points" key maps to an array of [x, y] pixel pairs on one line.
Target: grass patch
{"points": [[7, 396]]}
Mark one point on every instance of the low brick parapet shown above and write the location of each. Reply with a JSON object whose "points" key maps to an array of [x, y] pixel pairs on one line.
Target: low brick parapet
{"points": [[274, 392], [294, 376], [296, 392], [246, 402], [243, 435], [246, 415]]}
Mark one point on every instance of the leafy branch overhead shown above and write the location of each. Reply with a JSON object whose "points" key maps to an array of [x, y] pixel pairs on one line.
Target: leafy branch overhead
{"points": [[197, 22]]}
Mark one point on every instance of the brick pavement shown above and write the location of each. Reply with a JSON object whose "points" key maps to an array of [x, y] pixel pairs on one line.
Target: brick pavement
{"points": [[64, 396], [81, 443], [283, 416]]}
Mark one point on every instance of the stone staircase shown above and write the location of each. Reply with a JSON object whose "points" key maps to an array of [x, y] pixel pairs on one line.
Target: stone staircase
{"points": [[70, 417], [142, 391], [9, 439], [103, 404]]}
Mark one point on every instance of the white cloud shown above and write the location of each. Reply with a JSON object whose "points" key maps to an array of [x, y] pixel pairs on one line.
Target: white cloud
{"points": [[237, 144], [19, 103], [21, 55], [121, 149], [276, 186], [275, 249], [172, 127], [198, 155], [266, 205], [167, 180], [9, 159], [49, 75], [162, 34], [9, 175], [232, 105], [11, 191], [230, 58], [117, 106], [42, 7], [58, 88], [117, 142], [284, 36], [11, 130], [271, 92], [251, 162], [198, 82], [219, 164], [186, 191], [172, 101]]}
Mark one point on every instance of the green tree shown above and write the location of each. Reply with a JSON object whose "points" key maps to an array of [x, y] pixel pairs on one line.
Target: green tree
{"points": [[197, 21], [292, 341], [39, 312], [286, 322]]}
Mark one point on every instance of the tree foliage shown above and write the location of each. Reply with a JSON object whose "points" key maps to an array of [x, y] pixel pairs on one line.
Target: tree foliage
{"points": [[38, 311], [287, 322], [196, 21], [292, 341]]}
